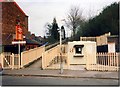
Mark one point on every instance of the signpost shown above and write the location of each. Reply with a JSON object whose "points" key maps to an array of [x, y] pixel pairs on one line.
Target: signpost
{"points": [[19, 39], [19, 33], [19, 42]]}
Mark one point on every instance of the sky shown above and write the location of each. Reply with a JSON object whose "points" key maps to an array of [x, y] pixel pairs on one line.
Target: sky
{"points": [[41, 12]]}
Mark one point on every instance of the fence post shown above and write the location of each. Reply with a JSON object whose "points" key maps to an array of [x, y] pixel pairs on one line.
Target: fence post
{"points": [[91, 63], [87, 65], [1, 58], [112, 59], [102, 54], [112, 56], [21, 60], [96, 66], [43, 63], [12, 60], [117, 56], [97, 60], [104, 61], [108, 61], [68, 62]]}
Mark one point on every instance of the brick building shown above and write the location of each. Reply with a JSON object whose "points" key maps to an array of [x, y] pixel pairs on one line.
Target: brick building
{"points": [[9, 13]]}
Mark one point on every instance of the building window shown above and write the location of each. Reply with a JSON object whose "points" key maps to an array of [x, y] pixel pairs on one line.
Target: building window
{"points": [[78, 50]]}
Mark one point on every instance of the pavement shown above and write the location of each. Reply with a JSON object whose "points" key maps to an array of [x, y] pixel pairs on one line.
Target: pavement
{"points": [[66, 73]]}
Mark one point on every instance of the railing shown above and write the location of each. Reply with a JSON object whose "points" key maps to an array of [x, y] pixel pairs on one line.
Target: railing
{"points": [[100, 40], [51, 59], [6, 60], [9, 61], [51, 46], [55, 44], [104, 62], [12, 61], [49, 55], [31, 55], [88, 39], [16, 61]]}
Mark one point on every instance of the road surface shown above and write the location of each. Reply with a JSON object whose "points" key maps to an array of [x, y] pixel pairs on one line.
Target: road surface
{"points": [[33, 81]]}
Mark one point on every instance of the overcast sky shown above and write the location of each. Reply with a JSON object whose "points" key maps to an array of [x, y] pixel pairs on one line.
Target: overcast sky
{"points": [[42, 11]]}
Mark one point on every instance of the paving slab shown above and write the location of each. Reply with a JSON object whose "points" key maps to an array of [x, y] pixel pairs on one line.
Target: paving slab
{"points": [[65, 74]]}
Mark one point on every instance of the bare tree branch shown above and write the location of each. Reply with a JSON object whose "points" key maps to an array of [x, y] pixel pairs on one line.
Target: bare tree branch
{"points": [[74, 18]]}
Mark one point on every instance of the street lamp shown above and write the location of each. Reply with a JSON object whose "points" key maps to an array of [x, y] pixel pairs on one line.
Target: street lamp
{"points": [[61, 58]]}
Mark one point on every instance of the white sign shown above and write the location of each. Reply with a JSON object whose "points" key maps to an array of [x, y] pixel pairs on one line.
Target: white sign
{"points": [[18, 42], [111, 47]]}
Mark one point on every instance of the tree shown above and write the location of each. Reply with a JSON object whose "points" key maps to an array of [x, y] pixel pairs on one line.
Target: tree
{"points": [[80, 30], [54, 31], [48, 28], [74, 19], [106, 21]]}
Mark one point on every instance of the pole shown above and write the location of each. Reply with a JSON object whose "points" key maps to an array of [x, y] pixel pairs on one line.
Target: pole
{"points": [[19, 54], [61, 64], [60, 40]]}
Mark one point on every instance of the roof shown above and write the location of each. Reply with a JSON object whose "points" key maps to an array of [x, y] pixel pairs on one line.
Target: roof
{"points": [[15, 5], [113, 36], [31, 41], [19, 8], [78, 45]]}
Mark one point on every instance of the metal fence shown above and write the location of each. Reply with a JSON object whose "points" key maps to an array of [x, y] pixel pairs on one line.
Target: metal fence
{"points": [[104, 62]]}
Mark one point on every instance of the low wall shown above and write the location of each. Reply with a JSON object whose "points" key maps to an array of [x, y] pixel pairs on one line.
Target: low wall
{"points": [[31, 55]]}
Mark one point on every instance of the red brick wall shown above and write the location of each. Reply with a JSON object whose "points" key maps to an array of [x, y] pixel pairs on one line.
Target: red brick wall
{"points": [[0, 23], [10, 11]]}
